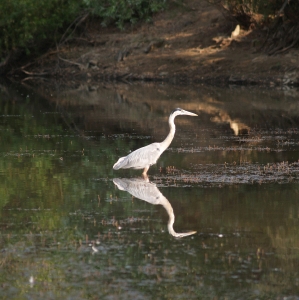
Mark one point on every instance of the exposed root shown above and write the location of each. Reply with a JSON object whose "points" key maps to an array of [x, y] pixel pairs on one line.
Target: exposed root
{"points": [[282, 38], [284, 34]]}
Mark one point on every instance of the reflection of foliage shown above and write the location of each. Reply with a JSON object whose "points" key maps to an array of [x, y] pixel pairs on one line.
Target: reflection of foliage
{"points": [[285, 241], [43, 167]]}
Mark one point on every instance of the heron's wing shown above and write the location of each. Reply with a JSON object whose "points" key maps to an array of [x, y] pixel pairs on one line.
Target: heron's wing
{"points": [[140, 158]]}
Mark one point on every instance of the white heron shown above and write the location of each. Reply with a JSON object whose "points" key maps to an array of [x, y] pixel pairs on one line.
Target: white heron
{"points": [[148, 191], [144, 157]]}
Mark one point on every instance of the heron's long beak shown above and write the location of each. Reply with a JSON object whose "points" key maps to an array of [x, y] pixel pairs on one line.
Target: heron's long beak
{"points": [[189, 113], [181, 235]]}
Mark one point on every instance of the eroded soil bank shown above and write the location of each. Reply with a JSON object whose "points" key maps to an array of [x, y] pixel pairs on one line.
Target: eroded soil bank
{"points": [[189, 43]]}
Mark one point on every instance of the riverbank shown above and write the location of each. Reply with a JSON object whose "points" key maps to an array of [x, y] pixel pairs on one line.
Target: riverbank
{"points": [[193, 43]]}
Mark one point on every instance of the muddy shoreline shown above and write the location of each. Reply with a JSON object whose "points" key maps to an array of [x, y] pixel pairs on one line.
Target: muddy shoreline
{"points": [[182, 79], [70, 78], [190, 45]]}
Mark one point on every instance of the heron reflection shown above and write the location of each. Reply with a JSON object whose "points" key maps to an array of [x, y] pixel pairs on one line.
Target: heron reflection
{"points": [[148, 191]]}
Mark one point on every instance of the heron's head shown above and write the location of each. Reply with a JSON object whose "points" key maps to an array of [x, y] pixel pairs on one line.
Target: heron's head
{"points": [[179, 112]]}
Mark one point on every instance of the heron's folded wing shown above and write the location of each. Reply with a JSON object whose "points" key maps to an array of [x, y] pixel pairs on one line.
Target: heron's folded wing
{"points": [[143, 157]]}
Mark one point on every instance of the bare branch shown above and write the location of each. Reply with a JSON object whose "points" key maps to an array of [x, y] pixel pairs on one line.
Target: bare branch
{"points": [[76, 22], [33, 73], [283, 7], [72, 62]]}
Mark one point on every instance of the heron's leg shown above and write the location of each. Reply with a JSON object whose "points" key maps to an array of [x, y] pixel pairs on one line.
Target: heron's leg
{"points": [[144, 173], [145, 177]]}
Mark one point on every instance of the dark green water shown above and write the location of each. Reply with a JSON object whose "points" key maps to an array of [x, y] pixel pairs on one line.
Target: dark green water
{"points": [[231, 175]]}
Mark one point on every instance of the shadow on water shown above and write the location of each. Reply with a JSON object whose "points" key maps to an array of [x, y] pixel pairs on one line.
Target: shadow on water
{"points": [[232, 175], [149, 192]]}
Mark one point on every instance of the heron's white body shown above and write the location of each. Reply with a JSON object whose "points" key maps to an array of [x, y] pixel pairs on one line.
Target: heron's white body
{"points": [[140, 158], [144, 157]]}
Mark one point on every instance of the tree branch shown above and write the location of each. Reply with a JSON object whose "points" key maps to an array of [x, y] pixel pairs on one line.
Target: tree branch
{"points": [[76, 22], [283, 7]]}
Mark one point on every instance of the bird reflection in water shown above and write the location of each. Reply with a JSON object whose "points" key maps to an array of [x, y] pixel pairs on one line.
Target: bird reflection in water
{"points": [[148, 191]]}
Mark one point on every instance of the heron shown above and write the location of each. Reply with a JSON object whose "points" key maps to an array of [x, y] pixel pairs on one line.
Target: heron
{"points": [[147, 156], [148, 191]]}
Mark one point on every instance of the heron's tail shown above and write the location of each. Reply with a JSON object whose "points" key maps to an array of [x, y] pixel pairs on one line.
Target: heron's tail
{"points": [[118, 164], [120, 184]]}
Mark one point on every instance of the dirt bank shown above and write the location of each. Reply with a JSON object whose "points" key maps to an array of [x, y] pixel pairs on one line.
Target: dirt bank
{"points": [[190, 43]]}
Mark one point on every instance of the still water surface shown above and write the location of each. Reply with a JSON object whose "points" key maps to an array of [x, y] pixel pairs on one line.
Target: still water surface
{"points": [[218, 220]]}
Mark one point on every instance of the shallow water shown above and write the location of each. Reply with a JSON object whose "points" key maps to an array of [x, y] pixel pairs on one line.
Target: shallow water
{"points": [[72, 228]]}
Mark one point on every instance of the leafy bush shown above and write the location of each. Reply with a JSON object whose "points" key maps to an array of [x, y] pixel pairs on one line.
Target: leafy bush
{"points": [[121, 11], [28, 24], [23, 22]]}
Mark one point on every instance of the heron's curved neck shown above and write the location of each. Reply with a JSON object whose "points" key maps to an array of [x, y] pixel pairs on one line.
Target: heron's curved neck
{"points": [[171, 219], [165, 144], [166, 204]]}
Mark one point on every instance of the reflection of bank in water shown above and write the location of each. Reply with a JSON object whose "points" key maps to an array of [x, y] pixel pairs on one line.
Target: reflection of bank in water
{"points": [[222, 117], [149, 192], [142, 108], [237, 126]]}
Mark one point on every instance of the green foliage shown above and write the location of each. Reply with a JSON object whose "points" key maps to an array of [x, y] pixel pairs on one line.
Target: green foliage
{"points": [[23, 22], [29, 24], [122, 11]]}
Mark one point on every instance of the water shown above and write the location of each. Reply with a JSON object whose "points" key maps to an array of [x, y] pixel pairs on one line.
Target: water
{"points": [[72, 228]]}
